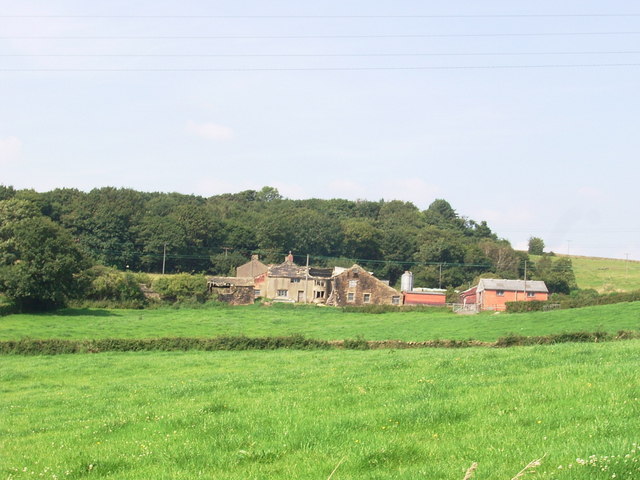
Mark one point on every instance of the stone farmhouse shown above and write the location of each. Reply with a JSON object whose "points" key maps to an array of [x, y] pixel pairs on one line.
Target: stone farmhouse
{"points": [[289, 282], [356, 286]]}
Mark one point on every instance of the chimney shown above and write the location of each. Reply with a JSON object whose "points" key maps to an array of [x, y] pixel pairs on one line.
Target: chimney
{"points": [[289, 258], [255, 257]]}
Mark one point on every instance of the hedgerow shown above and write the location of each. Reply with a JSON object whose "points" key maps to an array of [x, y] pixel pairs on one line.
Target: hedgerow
{"points": [[30, 346]]}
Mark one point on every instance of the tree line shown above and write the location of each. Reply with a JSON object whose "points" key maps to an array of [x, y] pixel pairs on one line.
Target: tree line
{"points": [[59, 233]]}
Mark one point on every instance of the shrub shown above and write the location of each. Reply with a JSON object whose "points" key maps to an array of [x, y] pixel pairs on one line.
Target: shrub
{"points": [[358, 343], [112, 288], [183, 288], [522, 307]]}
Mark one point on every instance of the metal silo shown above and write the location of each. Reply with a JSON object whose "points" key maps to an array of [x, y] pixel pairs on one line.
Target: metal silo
{"points": [[406, 282]]}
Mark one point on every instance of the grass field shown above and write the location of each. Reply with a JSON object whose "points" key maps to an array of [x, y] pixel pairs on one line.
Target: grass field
{"points": [[313, 322], [378, 414], [381, 414], [605, 274]]}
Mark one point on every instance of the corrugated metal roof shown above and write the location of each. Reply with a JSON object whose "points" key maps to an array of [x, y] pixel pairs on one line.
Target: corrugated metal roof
{"points": [[512, 285]]}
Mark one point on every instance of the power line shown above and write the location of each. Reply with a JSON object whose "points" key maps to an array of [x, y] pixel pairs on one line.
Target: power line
{"points": [[308, 36], [296, 17], [317, 69], [313, 55]]}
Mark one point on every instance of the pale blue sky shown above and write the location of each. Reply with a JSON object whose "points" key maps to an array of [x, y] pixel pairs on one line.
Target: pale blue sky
{"points": [[544, 149]]}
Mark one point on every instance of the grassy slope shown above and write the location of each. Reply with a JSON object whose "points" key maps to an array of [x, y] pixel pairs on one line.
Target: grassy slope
{"points": [[313, 322], [605, 274], [282, 415]]}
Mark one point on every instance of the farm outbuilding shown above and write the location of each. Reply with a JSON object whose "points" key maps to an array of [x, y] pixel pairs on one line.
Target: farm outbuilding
{"points": [[426, 296], [493, 294]]}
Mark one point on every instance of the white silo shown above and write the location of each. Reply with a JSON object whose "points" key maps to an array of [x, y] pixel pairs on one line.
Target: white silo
{"points": [[406, 282]]}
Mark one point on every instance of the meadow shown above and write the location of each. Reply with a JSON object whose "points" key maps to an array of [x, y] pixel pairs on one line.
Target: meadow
{"points": [[604, 274], [313, 322], [379, 414], [339, 414]]}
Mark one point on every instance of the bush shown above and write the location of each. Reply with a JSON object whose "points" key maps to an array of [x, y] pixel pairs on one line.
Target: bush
{"points": [[358, 343], [523, 307], [588, 298], [183, 288]]}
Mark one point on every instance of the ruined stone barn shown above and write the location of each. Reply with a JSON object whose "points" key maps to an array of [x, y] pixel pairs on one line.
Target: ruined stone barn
{"points": [[356, 286], [232, 290]]}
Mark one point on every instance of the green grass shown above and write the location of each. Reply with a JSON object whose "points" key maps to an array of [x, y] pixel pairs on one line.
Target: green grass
{"points": [[605, 274], [313, 322], [385, 414]]}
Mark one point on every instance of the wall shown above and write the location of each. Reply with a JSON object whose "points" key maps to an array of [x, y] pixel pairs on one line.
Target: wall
{"points": [[490, 300], [417, 298], [365, 283]]}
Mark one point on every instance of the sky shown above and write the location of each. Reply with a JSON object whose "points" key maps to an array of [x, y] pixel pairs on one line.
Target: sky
{"points": [[525, 116]]}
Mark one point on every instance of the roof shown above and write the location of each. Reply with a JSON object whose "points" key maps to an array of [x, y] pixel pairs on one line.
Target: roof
{"points": [[512, 285], [230, 281], [291, 270]]}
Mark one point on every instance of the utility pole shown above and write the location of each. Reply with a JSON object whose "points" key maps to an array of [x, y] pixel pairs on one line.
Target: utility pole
{"points": [[626, 265], [164, 257], [568, 246], [525, 279], [306, 282], [440, 277]]}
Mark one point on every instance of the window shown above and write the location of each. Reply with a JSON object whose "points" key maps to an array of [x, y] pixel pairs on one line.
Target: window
{"points": [[353, 283], [319, 283], [295, 280], [500, 293], [351, 297], [366, 298], [531, 294], [283, 293], [320, 294], [395, 300], [256, 292]]}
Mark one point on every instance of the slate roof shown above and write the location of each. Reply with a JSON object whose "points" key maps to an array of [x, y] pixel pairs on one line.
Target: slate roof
{"points": [[512, 285], [230, 281], [291, 270]]}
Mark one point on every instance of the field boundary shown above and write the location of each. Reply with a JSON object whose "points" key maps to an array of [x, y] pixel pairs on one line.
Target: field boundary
{"points": [[29, 346]]}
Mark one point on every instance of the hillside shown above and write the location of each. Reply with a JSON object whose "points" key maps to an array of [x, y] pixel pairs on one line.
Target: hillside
{"points": [[604, 274]]}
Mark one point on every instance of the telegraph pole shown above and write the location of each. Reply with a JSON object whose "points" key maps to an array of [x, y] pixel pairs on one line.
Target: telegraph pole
{"points": [[306, 282], [164, 257]]}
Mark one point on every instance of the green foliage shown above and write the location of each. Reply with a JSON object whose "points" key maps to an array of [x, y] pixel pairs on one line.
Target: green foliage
{"points": [[587, 298], [558, 275], [182, 288], [523, 307], [226, 264], [39, 260], [108, 284], [536, 246], [132, 230], [29, 346]]}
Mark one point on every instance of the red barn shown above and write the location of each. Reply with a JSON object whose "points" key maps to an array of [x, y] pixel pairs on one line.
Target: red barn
{"points": [[493, 294], [426, 296]]}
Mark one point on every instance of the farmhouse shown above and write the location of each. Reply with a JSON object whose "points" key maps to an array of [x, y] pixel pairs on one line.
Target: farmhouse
{"points": [[288, 282], [356, 286], [493, 294], [252, 268]]}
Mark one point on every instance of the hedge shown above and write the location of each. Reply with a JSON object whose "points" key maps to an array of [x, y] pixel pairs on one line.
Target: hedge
{"points": [[29, 346]]}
